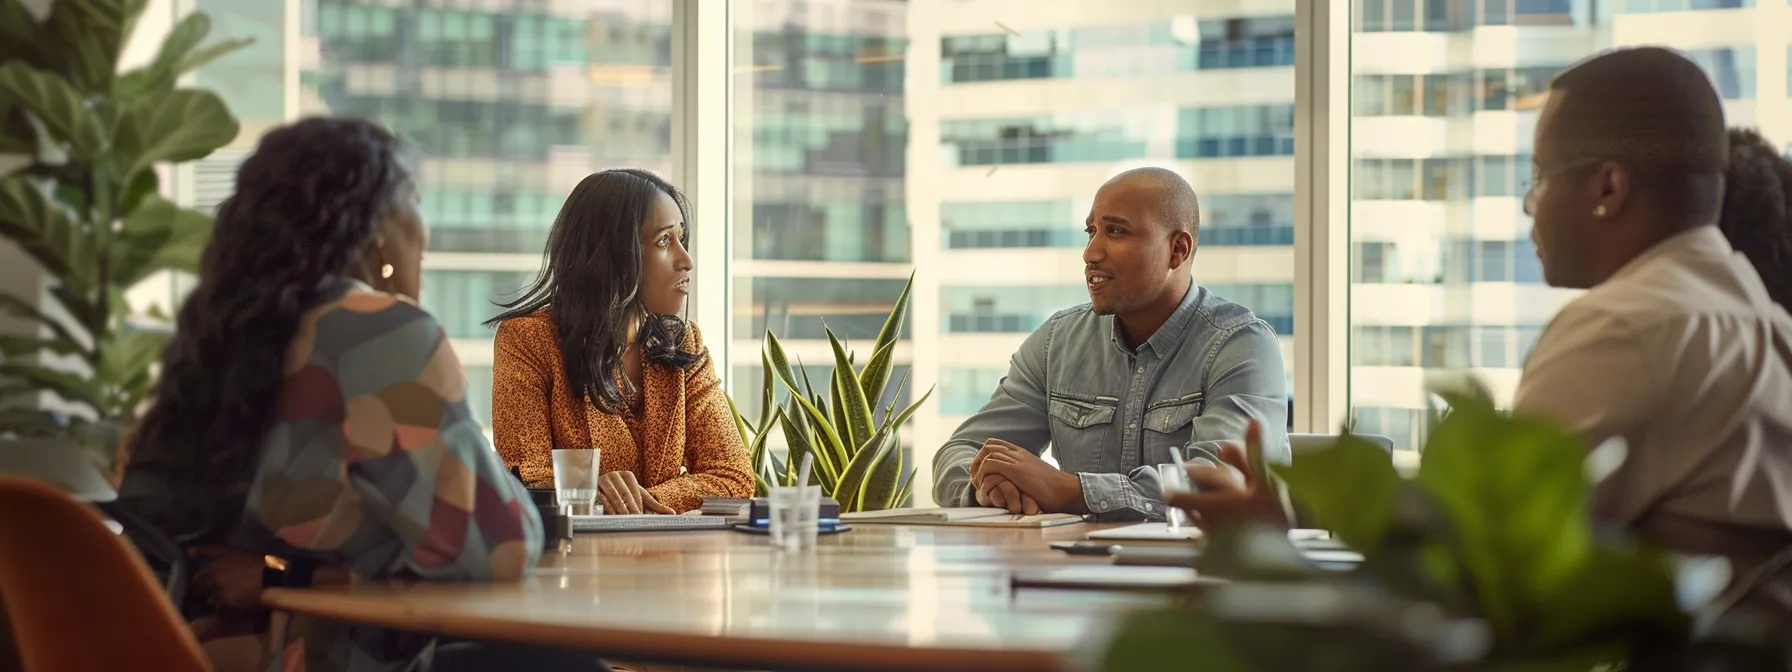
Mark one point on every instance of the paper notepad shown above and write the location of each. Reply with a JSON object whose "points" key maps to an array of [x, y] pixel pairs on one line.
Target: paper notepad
{"points": [[1147, 532], [961, 516]]}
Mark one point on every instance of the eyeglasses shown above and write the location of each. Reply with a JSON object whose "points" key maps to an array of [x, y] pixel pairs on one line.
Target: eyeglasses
{"points": [[1539, 177]]}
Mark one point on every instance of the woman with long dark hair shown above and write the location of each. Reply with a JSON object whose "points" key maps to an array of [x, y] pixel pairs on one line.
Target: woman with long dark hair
{"points": [[310, 411], [1757, 214], [595, 354]]}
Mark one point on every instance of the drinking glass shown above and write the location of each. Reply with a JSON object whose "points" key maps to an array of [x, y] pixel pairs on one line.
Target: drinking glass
{"points": [[575, 480], [1174, 481], [796, 516]]}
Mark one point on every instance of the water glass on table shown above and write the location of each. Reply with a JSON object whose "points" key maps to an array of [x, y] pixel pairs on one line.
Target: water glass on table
{"points": [[796, 516], [1174, 479], [575, 480]]}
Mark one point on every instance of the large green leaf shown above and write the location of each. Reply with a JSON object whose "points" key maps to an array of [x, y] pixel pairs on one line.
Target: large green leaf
{"points": [[883, 486], [69, 386], [44, 229], [850, 402], [836, 408], [12, 304], [905, 493], [868, 490], [59, 106], [24, 346], [91, 35], [181, 126], [19, 32], [877, 374], [179, 55], [1349, 487], [1515, 494], [1618, 593], [801, 441], [159, 236], [830, 439]]}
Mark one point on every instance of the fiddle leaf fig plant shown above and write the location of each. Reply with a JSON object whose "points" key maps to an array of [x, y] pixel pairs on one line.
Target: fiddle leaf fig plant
{"points": [[1487, 559], [85, 207], [858, 457]]}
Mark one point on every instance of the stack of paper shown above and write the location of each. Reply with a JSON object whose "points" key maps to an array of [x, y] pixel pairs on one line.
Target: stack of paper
{"points": [[963, 516]]}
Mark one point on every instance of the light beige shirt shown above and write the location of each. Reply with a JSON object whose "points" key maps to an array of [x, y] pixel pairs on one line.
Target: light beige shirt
{"points": [[1683, 355]]}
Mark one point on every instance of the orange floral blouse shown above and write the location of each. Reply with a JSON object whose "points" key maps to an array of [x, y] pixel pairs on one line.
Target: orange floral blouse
{"points": [[683, 447]]}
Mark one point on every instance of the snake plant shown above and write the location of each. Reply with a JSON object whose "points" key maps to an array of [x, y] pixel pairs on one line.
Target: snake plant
{"points": [[857, 451]]}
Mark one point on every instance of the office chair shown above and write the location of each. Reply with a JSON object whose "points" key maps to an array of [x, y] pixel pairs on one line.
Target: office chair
{"points": [[76, 596]]}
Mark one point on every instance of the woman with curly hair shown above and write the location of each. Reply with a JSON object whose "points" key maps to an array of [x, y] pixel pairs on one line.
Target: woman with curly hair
{"points": [[595, 355], [1757, 215], [310, 411]]}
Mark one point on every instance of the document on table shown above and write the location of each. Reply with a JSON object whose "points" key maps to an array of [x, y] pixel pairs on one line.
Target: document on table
{"points": [[1161, 532], [960, 516]]}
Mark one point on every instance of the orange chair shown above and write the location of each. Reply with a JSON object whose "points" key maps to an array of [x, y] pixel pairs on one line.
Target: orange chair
{"points": [[76, 596]]}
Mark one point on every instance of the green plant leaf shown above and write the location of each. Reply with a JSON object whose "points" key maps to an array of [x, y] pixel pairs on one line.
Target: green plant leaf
{"points": [[836, 408], [24, 346], [69, 386], [181, 126], [777, 365], [892, 329], [59, 106], [880, 484], [159, 236], [177, 57], [44, 229], [800, 441], [851, 490], [11, 304], [1619, 593], [1516, 497], [905, 493], [19, 32], [1349, 487], [767, 393], [92, 34], [876, 374], [832, 443], [852, 405]]}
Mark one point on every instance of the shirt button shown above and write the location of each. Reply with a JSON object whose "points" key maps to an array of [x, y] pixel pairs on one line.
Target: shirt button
{"points": [[1104, 503], [1141, 369], [1133, 426]]}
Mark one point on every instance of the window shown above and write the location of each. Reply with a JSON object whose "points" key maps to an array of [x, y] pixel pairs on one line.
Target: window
{"points": [[1446, 275], [504, 139], [832, 211]]}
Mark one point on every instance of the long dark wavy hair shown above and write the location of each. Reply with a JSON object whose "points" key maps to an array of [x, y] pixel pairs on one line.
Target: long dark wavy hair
{"points": [[591, 284], [1757, 216], [308, 202]]}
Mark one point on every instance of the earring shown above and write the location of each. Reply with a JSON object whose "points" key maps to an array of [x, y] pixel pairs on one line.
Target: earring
{"points": [[386, 271], [1598, 211]]}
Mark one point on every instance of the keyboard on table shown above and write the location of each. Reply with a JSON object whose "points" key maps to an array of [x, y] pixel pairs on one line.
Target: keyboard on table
{"points": [[648, 523]]}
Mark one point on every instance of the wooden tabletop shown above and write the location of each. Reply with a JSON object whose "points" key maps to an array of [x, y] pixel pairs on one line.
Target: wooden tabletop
{"points": [[882, 597]]}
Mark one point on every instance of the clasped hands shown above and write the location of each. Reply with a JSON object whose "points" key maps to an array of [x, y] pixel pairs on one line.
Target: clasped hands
{"points": [[1007, 476]]}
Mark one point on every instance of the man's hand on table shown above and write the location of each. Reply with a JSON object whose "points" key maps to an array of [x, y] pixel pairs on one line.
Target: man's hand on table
{"points": [[1232, 493], [1010, 477]]}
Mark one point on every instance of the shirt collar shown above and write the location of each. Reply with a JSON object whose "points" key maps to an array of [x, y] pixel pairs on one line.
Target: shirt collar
{"points": [[1168, 336], [1698, 241]]}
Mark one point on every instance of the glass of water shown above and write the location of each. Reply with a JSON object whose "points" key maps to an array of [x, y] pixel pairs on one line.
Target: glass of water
{"points": [[1174, 481], [575, 480], [796, 516]]}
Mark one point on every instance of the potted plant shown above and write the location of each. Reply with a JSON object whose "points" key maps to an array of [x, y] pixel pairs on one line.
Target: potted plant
{"points": [[857, 453], [1487, 559], [85, 206]]}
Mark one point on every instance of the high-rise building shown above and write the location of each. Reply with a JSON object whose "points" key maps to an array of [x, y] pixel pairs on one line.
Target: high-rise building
{"points": [[1445, 98]]}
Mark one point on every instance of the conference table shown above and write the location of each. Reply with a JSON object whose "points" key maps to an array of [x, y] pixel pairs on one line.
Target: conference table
{"points": [[880, 597]]}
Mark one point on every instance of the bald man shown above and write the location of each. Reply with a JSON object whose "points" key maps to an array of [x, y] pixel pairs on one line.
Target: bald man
{"points": [[1154, 363]]}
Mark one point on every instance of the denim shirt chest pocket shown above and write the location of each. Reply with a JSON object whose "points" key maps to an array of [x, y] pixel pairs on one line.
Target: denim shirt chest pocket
{"points": [[1169, 424], [1080, 427]]}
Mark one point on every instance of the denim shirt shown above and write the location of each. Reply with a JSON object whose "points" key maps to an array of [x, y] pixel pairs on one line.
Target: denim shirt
{"points": [[1112, 415]]}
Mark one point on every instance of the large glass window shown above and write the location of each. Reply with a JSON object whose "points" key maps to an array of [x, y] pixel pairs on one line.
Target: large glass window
{"points": [[508, 109], [1444, 271], [851, 170]]}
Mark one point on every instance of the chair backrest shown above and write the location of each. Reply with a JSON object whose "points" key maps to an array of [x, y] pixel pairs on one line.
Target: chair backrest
{"points": [[76, 595]]}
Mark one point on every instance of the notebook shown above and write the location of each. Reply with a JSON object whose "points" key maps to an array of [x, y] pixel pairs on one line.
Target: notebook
{"points": [[1106, 577], [961, 516], [1147, 532]]}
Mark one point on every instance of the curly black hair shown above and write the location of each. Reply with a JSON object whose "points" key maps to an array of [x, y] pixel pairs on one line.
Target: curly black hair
{"points": [[1757, 214], [591, 284], [307, 204]]}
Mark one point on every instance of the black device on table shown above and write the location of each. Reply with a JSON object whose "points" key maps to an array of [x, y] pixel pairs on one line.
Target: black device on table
{"points": [[556, 526], [759, 517]]}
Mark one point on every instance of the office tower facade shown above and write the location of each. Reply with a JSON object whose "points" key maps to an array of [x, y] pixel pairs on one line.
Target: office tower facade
{"points": [[1445, 96]]}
